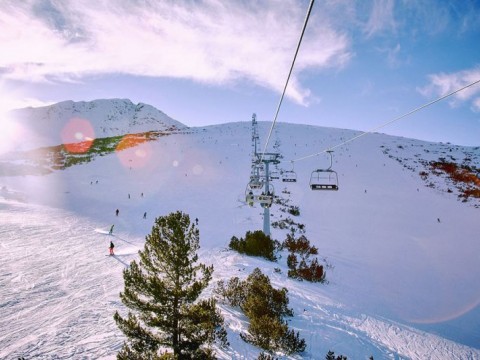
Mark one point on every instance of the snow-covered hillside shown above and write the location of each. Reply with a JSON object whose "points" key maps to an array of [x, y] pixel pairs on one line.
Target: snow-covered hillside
{"points": [[403, 255]]}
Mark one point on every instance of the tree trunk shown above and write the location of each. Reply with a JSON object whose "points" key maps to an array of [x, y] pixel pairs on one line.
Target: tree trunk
{"points": [[176, 332]]}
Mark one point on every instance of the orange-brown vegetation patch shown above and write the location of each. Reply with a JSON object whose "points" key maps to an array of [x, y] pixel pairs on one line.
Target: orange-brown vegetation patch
{"points": [[131, 140], [462, 175], [79, 148]]}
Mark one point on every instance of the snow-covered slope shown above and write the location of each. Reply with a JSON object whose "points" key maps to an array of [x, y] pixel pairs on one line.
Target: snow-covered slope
{"points": [[71, 122], [403, 255]]}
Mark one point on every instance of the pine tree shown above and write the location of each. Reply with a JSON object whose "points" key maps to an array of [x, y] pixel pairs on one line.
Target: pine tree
{"points": [[330, 355], [161, 291], [266, 356]]}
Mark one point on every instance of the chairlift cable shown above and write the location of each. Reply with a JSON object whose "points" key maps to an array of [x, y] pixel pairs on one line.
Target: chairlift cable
{"points": [[288, 78], [389, 122]]}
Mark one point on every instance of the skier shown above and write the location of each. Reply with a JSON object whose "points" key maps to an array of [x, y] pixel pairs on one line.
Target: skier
{"points": [[145, 215], [111, 248], [111, 230], [116, 212]]}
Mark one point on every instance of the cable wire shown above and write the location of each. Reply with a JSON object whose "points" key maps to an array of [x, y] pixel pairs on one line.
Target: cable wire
{"points": [[390, 121], [288, 78]]}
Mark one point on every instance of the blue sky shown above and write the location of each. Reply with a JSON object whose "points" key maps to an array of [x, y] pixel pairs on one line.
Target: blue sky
{"points": [[361, 63]]}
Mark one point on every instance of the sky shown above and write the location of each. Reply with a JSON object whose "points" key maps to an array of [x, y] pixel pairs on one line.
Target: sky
{"points": [[203, 62]]}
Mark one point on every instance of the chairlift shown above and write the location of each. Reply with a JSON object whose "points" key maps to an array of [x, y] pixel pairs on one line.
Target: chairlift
{"points": [[275, 175], [252, 197], [324, 179], [265, 201], [249, 198], [255, 182], [289, 175]]}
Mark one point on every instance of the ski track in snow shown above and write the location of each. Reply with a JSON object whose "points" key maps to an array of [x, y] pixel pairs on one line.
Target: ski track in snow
{"points": [[58, 290], [327, 325], [52, 306], [61, 298]]}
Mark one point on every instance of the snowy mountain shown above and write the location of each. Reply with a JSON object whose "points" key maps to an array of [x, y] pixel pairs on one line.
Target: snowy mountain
{"points": [[399, 240], [71, 122]]}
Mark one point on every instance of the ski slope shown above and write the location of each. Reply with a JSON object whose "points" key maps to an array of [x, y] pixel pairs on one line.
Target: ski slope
{"points": [[402, 285]]}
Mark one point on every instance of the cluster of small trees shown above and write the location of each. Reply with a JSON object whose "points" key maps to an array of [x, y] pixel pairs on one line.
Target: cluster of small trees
{"points": [[301, 264], [306, 268], [67, 155], [266, 356], [266, 308], [168, 320], [288, 222], [331, 356], [294, 210], [255, 244]]}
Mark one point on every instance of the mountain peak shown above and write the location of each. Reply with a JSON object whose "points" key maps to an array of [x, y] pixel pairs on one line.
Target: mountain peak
{"points": [[46, 126]]}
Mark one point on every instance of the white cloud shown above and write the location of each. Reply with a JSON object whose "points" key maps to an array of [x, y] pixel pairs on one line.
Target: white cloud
{"points": [[381, 17], [476, 104], [210, 41], [12, 98], [442, 84], [412, 18], [393, 55]]}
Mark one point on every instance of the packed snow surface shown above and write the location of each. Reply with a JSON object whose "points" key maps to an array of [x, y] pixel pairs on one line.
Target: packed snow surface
{"points": [[403, 257]]}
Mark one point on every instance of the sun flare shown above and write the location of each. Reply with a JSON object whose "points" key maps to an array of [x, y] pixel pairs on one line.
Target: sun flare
{"points": [[10, 134]]}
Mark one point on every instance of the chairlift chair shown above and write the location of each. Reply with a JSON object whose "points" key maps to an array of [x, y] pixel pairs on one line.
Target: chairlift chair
{"points": [[255, 182], [252, 196], [274, 175], [266, 200], [324, 179], [289, 175], [249, 195]]}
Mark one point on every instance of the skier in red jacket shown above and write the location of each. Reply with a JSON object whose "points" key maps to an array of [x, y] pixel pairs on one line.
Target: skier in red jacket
{"points": [[111, 248]]}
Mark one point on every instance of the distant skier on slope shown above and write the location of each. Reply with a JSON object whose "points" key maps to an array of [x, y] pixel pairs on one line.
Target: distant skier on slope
{"points": [[111, 248], [111, 230]]}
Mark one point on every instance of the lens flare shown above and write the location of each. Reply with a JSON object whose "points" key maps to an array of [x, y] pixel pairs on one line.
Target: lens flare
{"points": [[134, 151], [141, 153], [197, 169], [9, 136], [77, 135], [447, 316]]}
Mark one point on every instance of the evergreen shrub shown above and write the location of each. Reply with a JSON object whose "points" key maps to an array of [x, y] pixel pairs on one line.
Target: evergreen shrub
{"points": [[266, 308], [256, 243]]}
